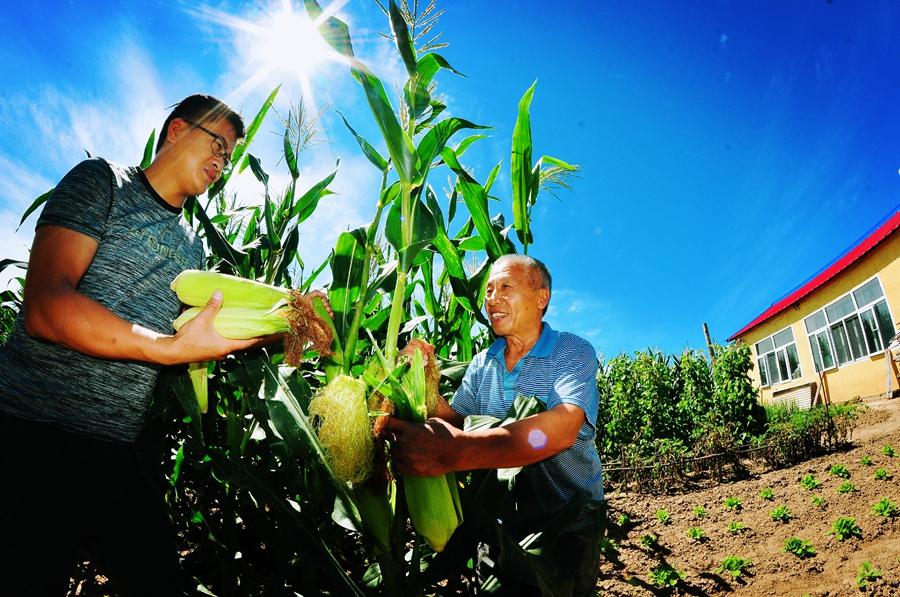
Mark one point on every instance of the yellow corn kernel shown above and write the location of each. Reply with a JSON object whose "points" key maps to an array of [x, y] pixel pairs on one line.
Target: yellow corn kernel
{"points": [[195, 287]]}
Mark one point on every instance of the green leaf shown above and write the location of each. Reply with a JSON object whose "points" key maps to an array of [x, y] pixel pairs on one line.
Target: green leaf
{"points": [[520, 167], [36, 204], [370, 152], [333, 30], [476, 201], [435, 139], [422, 229], [346, 272], [466, 143], [306, 204], [403, 39], [148, 150], [430, 64], [289, 156], [217, 242], [472, 243]]}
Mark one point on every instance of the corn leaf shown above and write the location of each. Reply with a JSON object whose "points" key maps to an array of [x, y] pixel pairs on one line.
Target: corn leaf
{"points": [[520, 167], [370, 152], [307, 203], [435, 139], [346, 271], [476, 201], [148, 150], [34, 205], [421, 230], [403, 39]]}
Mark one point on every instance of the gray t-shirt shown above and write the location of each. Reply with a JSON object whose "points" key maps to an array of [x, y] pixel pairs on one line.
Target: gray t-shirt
{"points": [[144, 244]]}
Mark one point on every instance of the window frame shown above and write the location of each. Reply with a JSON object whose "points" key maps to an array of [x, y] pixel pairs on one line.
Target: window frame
{"points": [[776, 358]]}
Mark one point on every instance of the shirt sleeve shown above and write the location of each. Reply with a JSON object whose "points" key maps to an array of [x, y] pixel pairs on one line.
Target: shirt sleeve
{"points": [[82, 200], [576, 381], [464, 400]]}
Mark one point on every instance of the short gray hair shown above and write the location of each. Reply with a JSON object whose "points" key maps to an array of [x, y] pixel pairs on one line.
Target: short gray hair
{"points": [[540, 275]]}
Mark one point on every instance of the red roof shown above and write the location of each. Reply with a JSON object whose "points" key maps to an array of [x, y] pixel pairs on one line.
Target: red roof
{"points": [[868, 243]]}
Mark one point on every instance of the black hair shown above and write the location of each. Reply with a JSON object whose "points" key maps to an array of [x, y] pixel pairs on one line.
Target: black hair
{"points": [[201, 108]]}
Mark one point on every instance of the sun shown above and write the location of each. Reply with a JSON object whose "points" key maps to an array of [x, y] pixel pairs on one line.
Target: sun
{"points": [[279, 43]]}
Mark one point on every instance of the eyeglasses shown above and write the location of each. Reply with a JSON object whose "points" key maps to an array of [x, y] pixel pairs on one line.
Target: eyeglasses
{"points": [[218, 145]]}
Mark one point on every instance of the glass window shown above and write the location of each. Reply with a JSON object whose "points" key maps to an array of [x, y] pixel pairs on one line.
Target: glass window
{"points": [[793, 360], [815, 321], [840, 343], [783, 337], [782, 365], [764, 346], [825, 349], [839, 309], [870, 330], [817, 356], [763, 376], [868, 293], [772, 368], [855, 337], [886, 325]]}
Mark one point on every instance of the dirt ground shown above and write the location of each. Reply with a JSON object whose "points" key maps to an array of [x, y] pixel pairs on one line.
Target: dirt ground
{"points": [[832, 571]]}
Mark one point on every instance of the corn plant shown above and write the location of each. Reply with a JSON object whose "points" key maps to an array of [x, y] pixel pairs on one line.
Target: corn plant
{"points": [[844, 528], [781, 514], [886, 508], [799, 547], [767, 494], [839, 470], [810, 482], [847, 487], [735, 565], [866, 575]]}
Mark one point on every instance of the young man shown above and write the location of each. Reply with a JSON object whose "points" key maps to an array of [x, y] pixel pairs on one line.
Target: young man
{"points": [[76, 375], [559, 492]]}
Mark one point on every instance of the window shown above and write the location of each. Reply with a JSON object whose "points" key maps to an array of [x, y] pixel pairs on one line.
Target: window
{"points": [[777, 358], [853, 327]]}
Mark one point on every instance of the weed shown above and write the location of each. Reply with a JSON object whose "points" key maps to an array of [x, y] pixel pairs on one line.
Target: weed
{"points": [[735, 565], [799, 547], [733, 503], [781, 514], [810, 482], [697, 534], [867, 574], [847, 487], [767, 494], [663, 516], [839, 470], [665, 576], [844, 528], [886, 508], [882, 475]]}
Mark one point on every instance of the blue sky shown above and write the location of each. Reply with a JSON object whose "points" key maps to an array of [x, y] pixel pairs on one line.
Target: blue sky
{"points": [[728, 149]]}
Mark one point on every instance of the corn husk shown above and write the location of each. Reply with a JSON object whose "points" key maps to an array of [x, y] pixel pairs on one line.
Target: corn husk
{"points": [[195, 287]]}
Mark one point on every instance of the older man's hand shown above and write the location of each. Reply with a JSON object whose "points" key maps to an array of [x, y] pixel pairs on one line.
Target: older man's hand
{"points": [[421, 449]]}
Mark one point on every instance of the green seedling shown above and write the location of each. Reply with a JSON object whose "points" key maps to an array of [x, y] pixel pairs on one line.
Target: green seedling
{"points": [[865, 460], [697, 534], [663, 516], [810, 482], [867, 574], [732, 503], [624, 520], [844, 528], [650, 540], [781, 514], [736, 527], [847, 487], [839, 470], [886, 508], [735, 565], [767, 494], [665, 576], [882, 475], [699, 512], [608, 547], [799, 547], [888, 451], [819, 501]]}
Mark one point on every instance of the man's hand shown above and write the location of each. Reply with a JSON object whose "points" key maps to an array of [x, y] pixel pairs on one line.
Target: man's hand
{"points": [[422, 449]]}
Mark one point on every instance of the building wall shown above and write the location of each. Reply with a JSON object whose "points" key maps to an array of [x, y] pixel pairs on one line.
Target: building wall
{"points": [[866, 377]]}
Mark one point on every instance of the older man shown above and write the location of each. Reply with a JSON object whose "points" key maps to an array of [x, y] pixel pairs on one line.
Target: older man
{"points": [[555, 447]]}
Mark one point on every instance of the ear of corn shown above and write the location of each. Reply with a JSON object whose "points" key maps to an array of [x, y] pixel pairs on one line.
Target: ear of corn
{"points": [[195, 287], [433, 502], [340, 415], [241, 323]]}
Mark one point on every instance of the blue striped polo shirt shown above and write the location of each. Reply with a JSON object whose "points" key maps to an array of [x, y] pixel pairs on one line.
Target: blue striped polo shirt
{"points": [[561, 368]]}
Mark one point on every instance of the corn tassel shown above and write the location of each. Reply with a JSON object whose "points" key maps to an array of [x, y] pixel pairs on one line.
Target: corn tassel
{"points": [[195, 287]]}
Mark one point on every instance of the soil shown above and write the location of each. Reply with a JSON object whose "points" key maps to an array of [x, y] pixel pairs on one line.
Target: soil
{"points": [[831, 572]]}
